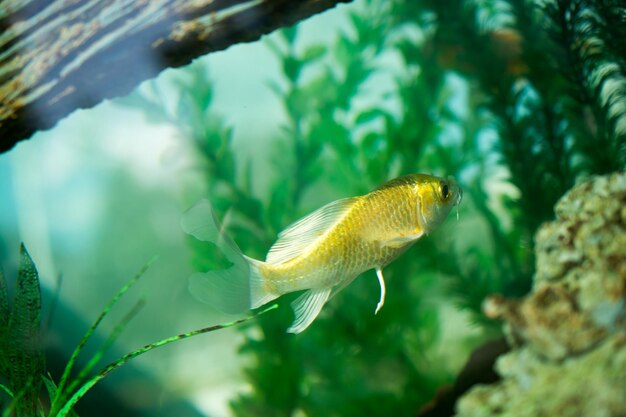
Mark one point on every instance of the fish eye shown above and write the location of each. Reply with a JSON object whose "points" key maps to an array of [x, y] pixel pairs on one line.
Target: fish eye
{"points": [[443, 189]]}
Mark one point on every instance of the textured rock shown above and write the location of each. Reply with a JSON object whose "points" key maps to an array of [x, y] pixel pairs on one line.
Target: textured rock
{"points": [[569, 333]]}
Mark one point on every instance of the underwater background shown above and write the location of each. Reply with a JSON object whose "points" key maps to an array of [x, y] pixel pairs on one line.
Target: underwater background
{"points": [[517, 100]]}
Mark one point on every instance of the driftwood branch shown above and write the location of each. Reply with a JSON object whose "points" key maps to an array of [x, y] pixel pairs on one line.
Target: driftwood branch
{"points": [[57, 56]]}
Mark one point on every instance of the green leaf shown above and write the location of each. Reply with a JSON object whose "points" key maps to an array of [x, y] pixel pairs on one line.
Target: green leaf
{"points": [[279, 201], [201, 89], [226, 167], [372, 144], [93, 361], [52, 391], [4, 302], [369, 115], [7, 390], [359, 22], [290, 34], [291, 68], [50, 386], [276, 88], [274, 47], [313, 53], [344, 50], [23, 348]]}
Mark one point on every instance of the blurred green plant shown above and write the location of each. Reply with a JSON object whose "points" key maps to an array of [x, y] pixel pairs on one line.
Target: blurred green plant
{"points": [[22, 362], [517, 99]]}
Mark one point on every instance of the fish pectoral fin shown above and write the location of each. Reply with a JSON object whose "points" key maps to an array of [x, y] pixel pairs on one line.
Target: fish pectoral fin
{"points": [[307, 307], [381, 281], [400, 241]]}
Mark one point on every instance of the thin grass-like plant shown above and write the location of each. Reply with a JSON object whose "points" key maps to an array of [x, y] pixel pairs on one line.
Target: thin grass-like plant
{"points": [[85, 387], [60, 391], [23, 387]]}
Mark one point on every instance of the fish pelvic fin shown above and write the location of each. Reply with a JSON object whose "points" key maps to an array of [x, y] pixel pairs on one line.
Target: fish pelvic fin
{"points": [[233, 290], [381, 282]]}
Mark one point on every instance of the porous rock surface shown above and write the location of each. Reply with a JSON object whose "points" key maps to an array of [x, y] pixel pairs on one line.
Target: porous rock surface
{"points": [[569, 334]]}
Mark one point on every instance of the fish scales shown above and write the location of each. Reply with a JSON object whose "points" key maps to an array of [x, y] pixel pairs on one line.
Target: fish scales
{"points": [[325, 251], [352, 245]]}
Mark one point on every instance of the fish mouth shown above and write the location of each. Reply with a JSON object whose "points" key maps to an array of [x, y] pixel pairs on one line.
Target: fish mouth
{"points": [[459, 195], [458, 190]]}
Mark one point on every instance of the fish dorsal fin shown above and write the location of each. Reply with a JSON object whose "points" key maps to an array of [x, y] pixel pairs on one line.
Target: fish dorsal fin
{"points": [[398, 182], [307, 307], [301, 234]]}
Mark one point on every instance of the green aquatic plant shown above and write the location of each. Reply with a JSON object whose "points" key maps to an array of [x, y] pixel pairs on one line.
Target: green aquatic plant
{"points": [[321, 152], [517, 99], [552, 79], [21, 359], [22, 363], [476, 90], [326, 376]]}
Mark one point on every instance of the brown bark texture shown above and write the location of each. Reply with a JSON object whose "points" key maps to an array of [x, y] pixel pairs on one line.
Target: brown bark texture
{"points": [[57, 56]]}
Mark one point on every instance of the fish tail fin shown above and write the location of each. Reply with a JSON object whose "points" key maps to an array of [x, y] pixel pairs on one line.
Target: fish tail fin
{"points": [[235, 289]]}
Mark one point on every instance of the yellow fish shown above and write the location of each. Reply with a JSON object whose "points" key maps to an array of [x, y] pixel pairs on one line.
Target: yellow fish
{"points": [[324, 251]]}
